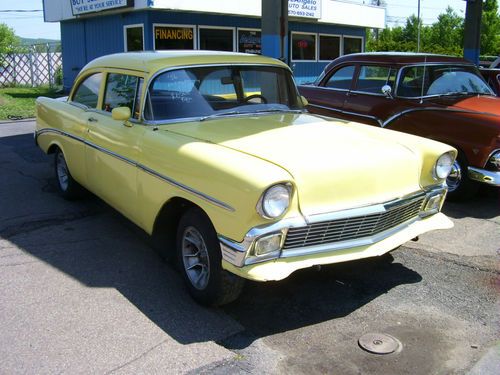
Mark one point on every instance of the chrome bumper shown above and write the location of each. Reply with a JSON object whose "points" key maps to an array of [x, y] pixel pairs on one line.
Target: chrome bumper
{"points": [[239, 253], [484, 176]]}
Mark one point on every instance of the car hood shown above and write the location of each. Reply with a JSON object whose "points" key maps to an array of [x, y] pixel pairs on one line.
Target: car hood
{"points": [[485, 104], [333, 165]]}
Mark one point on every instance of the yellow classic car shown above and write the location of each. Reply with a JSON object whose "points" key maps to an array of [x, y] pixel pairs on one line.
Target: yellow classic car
{"points": [[214, 156]]}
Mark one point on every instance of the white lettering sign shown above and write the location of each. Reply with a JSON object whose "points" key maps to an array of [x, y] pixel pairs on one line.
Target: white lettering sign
{"points": [[304, 8], [88, 6]]}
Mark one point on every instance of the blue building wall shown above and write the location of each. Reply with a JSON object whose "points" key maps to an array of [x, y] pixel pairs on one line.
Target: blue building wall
{"points": [[87, 38]]}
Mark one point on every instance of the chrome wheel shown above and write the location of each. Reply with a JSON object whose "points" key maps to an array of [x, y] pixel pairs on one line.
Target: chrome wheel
{"points": [[195, 258], [62, 171], [455, 178]]}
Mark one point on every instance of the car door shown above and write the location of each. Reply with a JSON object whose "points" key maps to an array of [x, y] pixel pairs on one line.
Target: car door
{"points": [[366, 102], [329, 96], [113, 146]]}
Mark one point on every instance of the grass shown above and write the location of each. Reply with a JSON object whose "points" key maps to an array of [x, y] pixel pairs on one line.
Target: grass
{"points": [[19, 102]]}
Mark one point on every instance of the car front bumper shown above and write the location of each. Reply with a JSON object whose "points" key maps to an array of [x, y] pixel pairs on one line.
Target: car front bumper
{"points": [[484, 176], [335, 237]]}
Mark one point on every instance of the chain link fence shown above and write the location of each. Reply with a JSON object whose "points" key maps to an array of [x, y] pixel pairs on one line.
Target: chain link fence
{"points": [[35, 65]]}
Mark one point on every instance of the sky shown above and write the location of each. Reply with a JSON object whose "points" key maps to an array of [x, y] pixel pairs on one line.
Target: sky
{"points": [[31, 24]]}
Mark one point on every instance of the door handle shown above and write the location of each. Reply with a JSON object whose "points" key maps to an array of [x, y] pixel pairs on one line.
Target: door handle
{"points": [[92, 119]]}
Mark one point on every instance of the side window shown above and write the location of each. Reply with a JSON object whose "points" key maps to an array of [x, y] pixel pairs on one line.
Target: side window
{"points": [[372, 78], [342, 78], [122, 91], [88, 91]]}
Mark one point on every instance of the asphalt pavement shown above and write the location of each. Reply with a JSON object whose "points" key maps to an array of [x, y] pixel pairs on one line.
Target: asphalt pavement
{"points": [[81, 291]]}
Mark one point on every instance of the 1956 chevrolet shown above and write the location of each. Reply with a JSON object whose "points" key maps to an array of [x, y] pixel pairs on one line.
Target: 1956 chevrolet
{"points": [[214, 156]]}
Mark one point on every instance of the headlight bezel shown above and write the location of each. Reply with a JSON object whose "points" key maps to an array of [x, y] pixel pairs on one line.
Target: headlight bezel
{"points": [[261, 204], [439, 164]]}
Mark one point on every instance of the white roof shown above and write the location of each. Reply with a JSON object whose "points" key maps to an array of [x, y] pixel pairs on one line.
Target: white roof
{"points": [[340, 12]]}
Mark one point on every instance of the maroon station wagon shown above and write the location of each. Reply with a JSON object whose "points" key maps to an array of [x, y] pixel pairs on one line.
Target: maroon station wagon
{"points": [[439, 97]]}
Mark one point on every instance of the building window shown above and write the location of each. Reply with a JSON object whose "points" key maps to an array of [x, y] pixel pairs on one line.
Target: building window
{"points": [[249, 41], [303, 47], [216, 39], [353, 44], [173, 37], [329, 47], [134, 38]]}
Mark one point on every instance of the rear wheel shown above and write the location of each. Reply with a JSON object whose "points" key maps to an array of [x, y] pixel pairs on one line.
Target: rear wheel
{"points": [[67, 186], [460, 186], [200, 261]]}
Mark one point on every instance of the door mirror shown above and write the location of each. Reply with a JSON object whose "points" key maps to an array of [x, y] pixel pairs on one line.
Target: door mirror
{"points": [[305, 102], [387, 91], [121, 113]]}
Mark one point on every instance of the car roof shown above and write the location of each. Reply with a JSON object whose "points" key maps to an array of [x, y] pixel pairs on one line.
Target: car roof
{"points": [[397, 58], [153, 61]]}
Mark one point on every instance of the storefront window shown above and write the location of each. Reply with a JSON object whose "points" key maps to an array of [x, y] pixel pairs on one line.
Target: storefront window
{"points": [[134, 40], [216, 39], [352, 45], [174, 37], [329, 47], [249, 41], [303, 46]]}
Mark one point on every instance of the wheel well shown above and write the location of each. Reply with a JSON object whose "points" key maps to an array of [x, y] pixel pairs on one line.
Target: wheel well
{"points": [[52, 149], [166, 223]]}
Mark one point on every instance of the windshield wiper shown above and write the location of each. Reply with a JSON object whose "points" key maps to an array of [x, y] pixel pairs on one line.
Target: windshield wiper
{"points": [[221, 114], [279, 110]]}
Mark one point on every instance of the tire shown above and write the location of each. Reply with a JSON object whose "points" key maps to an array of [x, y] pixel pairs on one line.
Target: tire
{"points": [[200, 261], [67, 187], [460, 186]]}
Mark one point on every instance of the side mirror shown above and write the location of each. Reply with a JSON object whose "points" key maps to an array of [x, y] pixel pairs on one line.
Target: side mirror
{"points": [[305, 102], [387, 91], [121, 113]]}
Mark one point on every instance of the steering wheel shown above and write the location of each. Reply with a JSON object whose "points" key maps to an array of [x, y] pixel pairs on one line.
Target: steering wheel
{"points": [[255, 96]]}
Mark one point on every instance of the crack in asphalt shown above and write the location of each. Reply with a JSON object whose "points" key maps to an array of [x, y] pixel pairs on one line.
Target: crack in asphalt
{"points": [[136, 358], [30, 226]]}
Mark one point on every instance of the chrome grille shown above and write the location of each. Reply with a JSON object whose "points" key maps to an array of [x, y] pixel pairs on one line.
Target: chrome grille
{"points": [[353, 227]]}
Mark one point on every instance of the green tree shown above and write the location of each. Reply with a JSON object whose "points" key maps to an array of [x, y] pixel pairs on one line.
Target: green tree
{"points": [[490, 28], [446, 35], [8, 40]]}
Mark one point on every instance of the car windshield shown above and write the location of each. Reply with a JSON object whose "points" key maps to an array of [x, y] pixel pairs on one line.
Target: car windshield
{"points": [[212, 91], [439, 80]]}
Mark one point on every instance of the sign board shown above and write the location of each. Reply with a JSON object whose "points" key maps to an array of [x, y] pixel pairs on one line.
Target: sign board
{"points": [[90, 6], [304, 8]]}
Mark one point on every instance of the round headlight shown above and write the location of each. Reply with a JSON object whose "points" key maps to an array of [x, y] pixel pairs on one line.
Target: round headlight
{"points": [[275, 201], [443, 165]]}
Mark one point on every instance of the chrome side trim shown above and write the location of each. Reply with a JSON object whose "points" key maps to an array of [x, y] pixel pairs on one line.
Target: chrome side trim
{"points": [[490, 158], [484, 176], [379, 121], [146, 169]]}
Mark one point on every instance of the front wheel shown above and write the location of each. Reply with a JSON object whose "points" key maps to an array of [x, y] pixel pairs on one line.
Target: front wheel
{"points": [[460, 186], [200, 261]]}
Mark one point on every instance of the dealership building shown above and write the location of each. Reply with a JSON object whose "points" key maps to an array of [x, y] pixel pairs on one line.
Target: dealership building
{"points": [[318, 30]]}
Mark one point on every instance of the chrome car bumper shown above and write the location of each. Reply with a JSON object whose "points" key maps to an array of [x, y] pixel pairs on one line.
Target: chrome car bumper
{"points": [[484, 176], [305, 236]]}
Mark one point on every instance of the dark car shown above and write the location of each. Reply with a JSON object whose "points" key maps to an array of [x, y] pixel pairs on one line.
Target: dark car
{"points": [[439, 97], [492, 75]]}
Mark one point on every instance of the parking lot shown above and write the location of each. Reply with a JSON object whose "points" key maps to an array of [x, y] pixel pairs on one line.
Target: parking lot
{"points": [[81, 291]]}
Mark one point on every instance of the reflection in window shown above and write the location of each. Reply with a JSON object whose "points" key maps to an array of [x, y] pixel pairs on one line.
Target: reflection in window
{"points": [[205, 91], [303, 46], [372, 78], [88, 91], [342, 78], [249, 41], [216, 39], [329, 47], [352, 45], [121, 91]]}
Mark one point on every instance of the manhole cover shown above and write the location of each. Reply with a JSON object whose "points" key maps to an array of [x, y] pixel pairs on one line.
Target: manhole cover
{"points": [[379, 343]]}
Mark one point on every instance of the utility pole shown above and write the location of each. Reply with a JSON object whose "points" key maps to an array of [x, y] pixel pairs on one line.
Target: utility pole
{"points": [[418, 28], [472, 30], [274, 24]]}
